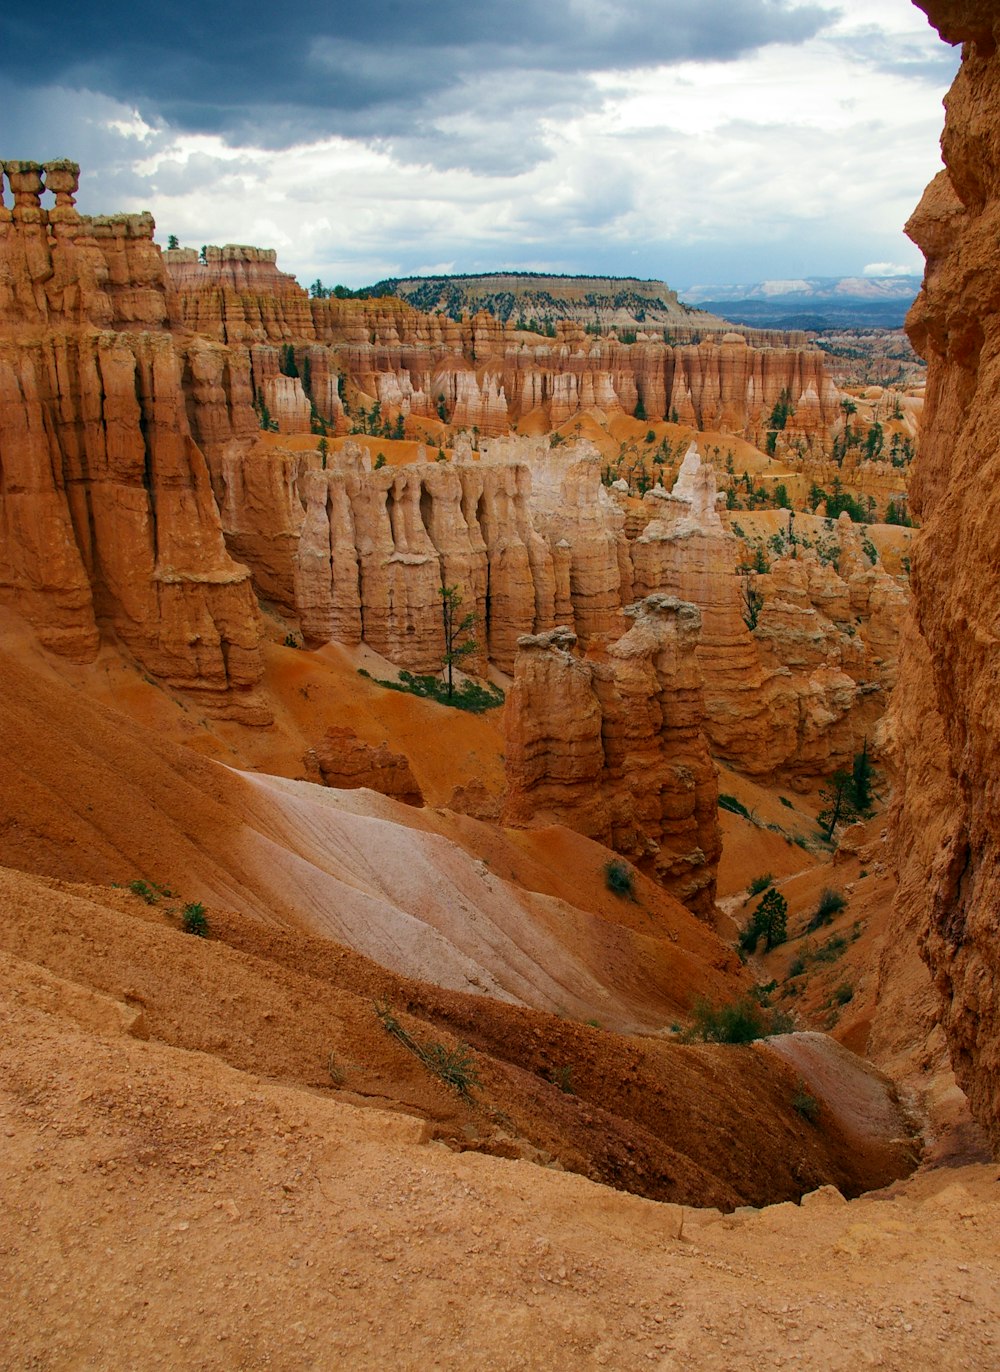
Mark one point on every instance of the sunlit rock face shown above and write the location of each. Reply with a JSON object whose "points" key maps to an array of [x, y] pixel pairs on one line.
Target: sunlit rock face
{"points": [[617, 749], [106, 507]]}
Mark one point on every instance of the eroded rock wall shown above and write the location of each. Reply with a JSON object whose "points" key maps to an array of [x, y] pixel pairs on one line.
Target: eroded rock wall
{"points": [[616, 749], [106, 508], [482, 374], [945, 724]]}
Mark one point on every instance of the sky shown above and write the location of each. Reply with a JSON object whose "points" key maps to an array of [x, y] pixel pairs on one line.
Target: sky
{"points": [[694, 141]]}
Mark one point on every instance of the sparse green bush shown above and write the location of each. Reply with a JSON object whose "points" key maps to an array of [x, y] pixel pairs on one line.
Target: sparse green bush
{"points": [[797, 966], [736, 807], [786, 802], [193, 919], [830, 903], [844, 993], [739, 1021], [455, 1066], [150, 891], [760, 883], [831, 949], [619, 877], [471, 695], [806, 1105], [563, 1078]]}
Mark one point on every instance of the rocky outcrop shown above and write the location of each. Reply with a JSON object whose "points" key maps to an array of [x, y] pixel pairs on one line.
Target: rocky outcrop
{"points": [[106, 507], [616, 749], [797, 691], [945, 726], [481, 374], [751, 713], [344, 761]]}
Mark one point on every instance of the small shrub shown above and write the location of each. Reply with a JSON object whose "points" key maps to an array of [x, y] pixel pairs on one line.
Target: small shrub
{"points": [[338, 1074], [470, 696], [619, 877], [455, 1066], [831, 949], [844, 993], [786, 802], [760, 883], [806, 1105], [562, 1077], [150, 891], [830, 903], [193, 919], [739, 1021], [797, 966], [736, 807], [291, 641]]}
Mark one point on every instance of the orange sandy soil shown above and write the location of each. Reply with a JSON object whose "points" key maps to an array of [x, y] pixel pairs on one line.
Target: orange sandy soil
{"points": [[216, 1156], [202, 1198]]}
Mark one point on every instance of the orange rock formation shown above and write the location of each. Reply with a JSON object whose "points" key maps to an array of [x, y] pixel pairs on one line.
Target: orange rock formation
{"points": [[617, 749], [106, 507], [342, 760], [945, 727]]}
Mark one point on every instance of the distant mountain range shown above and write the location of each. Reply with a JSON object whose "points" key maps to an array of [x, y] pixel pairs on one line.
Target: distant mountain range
{"points": [[815, 302]]}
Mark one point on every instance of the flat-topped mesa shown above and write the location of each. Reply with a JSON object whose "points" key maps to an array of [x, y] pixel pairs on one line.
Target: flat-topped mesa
{"points": [[616, 750]]}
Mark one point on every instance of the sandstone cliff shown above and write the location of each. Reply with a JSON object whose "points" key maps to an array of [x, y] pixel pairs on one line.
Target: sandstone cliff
{"points": [[482, 374], [106, 507], [948, 820], [617, 749]]}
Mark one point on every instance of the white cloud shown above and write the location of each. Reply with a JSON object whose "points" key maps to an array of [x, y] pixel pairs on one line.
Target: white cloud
{"points": [[891, 269], [789, 162]]}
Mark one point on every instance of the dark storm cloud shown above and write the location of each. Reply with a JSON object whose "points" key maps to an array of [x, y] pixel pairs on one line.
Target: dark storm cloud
{"points": [[459, 82]]}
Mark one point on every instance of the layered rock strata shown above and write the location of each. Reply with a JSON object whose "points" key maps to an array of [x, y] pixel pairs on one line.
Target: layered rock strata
{"points": [[616, 749], [106, 508], [945, 725], [486, 376]]}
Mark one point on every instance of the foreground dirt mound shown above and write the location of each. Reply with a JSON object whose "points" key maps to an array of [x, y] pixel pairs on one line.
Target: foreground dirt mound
{"points": [[708, 1124], [88, 795], [164, 1209]]}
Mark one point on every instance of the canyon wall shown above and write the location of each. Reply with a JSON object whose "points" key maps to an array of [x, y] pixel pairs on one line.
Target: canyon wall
{"points": [[944, 731], [616, 749], [106, 508], [140, 497], [482, 374], [795, 687]]}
